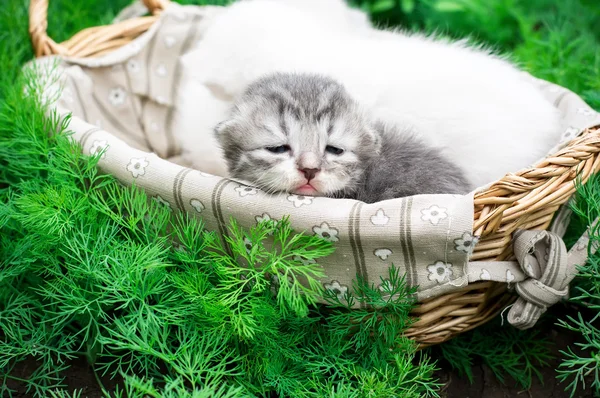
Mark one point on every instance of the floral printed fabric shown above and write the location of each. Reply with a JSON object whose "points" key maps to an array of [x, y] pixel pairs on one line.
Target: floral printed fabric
{"points": [[122, 106]]}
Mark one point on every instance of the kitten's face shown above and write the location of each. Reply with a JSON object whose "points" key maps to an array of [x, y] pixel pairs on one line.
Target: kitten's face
{"points": [[297, 133]]}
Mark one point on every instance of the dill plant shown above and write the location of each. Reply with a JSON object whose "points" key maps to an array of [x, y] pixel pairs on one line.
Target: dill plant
{"points": [[580, 368], [507, 351], [90, 268]]}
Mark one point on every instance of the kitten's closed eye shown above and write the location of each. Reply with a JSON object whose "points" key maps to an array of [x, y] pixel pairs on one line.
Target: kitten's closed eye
{"points": [[278, 149], [334, 150]]}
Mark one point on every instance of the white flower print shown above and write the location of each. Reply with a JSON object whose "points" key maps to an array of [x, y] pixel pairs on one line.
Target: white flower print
{"points": [[243, 190], [248, 244], [585, 112], [383, 253], [180, 248], [434, 214], [465, 243], [509, 276], [134, 46], [386, 285], [117, 96], [161, 70], [163, 202], [133, 66], [300, 200], [304, 261], [485, 275], [137, 166], [99, 146], [529, 269], [170, 41], [336, 288], [569, 134], [380, 218], [264, 217], [161, 100], [581, 245], [197, 205], [440, 271], [326, 232], [276, 284]]}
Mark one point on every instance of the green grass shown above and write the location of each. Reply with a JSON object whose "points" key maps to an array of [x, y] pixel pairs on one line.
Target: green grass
{"points": [[88, 268]]}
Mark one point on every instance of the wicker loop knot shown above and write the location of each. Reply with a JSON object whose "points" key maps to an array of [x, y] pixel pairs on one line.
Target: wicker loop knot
{"points": [[542, 256]]}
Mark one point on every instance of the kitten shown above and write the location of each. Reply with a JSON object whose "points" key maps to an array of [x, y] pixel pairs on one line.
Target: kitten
{"points": [[304, 134], [200, 105], [481, 110]]}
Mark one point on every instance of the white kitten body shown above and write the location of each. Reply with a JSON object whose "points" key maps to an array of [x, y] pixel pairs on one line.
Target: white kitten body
{"points": [[481, 110], [197, 112]]}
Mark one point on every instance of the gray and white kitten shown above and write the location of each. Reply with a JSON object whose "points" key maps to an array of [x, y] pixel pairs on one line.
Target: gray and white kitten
{"points": [[303, 133]]}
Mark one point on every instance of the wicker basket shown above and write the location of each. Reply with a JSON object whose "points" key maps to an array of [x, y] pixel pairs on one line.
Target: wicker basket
{"points": [[527, 199]]}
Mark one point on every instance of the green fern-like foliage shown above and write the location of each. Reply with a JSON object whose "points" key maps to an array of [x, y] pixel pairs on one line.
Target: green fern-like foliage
{"points": [[580, 368], [90, 268], [508, 352]]}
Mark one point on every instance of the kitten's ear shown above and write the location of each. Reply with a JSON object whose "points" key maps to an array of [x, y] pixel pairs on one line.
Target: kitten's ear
{"points": [[224, 128]]}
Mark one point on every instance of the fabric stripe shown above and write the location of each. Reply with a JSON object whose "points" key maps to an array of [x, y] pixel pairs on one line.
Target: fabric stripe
{"points": [[355, 244], [528, 314], [218, 212], [551, 266], [87, 134], [524, 293], [411, 249], [556, 266], [358, 243], [172, 147], [404, 244], [533, 315], [351, 221], [177, 184]]}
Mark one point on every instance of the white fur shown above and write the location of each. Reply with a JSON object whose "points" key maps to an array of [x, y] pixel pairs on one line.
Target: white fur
{"points": [[479, 108]]}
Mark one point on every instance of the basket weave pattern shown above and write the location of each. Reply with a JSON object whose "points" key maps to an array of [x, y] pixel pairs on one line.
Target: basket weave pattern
{"points": [[91, 42], [527, 199]]}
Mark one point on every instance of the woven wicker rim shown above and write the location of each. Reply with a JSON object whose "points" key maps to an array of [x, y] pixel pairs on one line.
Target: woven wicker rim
{"points": [[91, 42], [527, 199]]}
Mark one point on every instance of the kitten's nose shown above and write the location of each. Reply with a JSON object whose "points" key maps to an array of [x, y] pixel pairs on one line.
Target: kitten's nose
{"points": [[309, 160], [309, 174]]}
